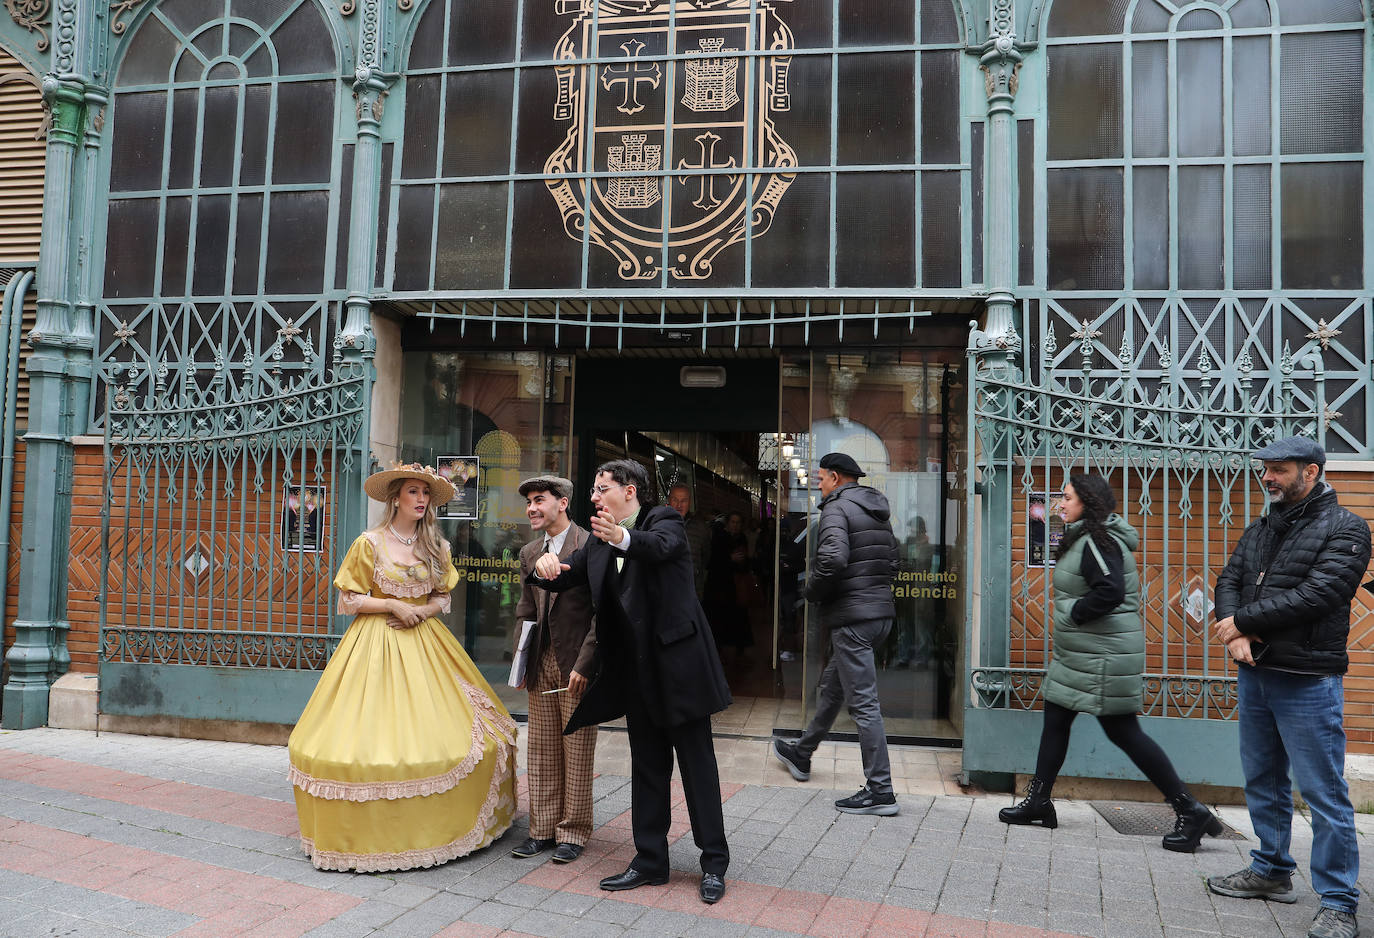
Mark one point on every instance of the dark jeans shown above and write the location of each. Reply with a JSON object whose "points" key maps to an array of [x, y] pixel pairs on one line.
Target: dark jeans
{"points": [[1123, 729]]}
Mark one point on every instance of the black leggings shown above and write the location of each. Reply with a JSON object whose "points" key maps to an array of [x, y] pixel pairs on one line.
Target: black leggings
{"points": [[1123, 730]]}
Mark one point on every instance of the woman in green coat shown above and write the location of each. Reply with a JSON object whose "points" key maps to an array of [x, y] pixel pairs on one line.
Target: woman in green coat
{"points": [[1099, 661]]}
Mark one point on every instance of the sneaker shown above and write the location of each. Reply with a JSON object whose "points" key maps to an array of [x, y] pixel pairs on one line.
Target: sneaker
{"points": [[1247, 884], [1333, 923], [797, 764], [864, 801]]}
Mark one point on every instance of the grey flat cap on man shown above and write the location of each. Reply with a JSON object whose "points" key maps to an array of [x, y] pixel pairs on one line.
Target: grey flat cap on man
{"points": [[1297, 449], [558, 486]]}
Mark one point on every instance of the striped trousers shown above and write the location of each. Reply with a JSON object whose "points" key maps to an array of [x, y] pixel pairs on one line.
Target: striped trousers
{"points": [[559, 767]]}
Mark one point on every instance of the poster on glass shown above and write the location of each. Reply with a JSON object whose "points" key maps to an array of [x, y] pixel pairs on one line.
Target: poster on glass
{"points": [[462, 472], [302, 517], [1044, 528]]}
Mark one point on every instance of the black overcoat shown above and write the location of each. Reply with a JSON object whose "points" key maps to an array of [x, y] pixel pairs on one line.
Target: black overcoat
{"points": [[651, 631]]}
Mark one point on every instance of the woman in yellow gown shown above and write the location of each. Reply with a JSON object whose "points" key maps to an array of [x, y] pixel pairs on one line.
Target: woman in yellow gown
{"points": [[403, 757]]}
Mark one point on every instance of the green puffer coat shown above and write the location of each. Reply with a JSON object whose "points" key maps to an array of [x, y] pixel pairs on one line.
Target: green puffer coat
{"points": [[1097, 665]]}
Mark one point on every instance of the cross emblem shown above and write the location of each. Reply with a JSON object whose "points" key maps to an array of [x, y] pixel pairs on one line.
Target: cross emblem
{"points": [[630, 76], [706, 197]]}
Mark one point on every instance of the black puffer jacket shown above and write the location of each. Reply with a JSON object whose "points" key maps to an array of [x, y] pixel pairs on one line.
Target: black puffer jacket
{"points": [[856, 557], [1290, 580]]}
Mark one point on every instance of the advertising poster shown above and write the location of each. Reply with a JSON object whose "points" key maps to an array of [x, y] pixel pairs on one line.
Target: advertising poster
{"points": [[1044, 528], [462, 471], [302, 517]]}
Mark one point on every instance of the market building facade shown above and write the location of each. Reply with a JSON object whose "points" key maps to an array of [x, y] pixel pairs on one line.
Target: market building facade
{"points": [[284, 240]]}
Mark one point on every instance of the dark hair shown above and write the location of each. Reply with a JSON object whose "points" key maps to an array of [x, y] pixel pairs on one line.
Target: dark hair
{"points": [[1099, 501], [629, 472]]}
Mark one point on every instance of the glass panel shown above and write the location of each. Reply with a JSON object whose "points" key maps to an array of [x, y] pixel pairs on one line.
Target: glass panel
{"points": [[876, 123], [241, 38], [210, 44], [638, 256], [795, 251], [296, 236], [470, 252], [1150, 98], [1026, 161], [305, 112], [1199, 98], [176, 236], [131, 248], [1323, 238], [540, 30], [1087, 17], [211, 259], [810, 25], [1151, 227], [1084, 228], [543, 255], [1250, 100], [221, 124], [150, 55], [939, 22], [939, 107], [427, 42], [248, 244], [484, 33], [262, 12], [257, 103], [1250, 13], [874, 227], [864, 23], [304, 46], [1085, 102], [138, 136], [1201, 227], [941, 229], [1300, 12], [976, 185], [1200, 19], [477, 123], [384, 224], [419, 153], [805, 125], [537, 137], [1150, 17], [1252, 250], [414, 226], [184, 150], [1321, 93]]}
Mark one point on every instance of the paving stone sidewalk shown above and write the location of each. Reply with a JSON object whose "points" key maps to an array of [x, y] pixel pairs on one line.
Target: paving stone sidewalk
{"points": [[114, 835]]}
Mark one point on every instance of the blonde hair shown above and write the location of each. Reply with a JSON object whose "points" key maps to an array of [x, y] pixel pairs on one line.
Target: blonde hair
{"points": [[429, 546]]}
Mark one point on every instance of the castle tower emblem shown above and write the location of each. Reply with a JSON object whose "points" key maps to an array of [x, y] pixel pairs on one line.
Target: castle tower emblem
{"points": [[712, 83], [632, 156]]}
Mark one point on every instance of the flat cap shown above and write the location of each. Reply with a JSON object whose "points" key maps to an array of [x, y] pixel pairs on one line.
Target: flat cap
{"points": [[558, 486], [1293, 448], [842, 463]]}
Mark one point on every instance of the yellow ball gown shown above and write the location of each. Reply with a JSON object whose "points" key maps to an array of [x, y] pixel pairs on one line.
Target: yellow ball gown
{"points": [[403, 757]]}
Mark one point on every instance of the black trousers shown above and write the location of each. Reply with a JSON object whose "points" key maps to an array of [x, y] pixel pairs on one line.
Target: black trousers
{"points": [[1123, 730], [651, 770]]}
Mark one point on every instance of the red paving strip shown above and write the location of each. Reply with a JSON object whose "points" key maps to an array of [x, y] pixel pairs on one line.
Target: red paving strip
{"points": [[227, 901]]}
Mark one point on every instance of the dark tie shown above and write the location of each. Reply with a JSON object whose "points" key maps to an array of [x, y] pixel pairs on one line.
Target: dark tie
{"points": [[548, 549]]}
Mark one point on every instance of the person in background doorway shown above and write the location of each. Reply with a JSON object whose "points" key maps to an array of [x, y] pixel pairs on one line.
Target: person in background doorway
{"points": [[698, 534], [729, 615]]}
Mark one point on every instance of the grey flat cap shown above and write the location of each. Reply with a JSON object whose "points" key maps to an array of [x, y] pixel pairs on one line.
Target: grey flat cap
{"points": [[1298, 449], [557, 486]]}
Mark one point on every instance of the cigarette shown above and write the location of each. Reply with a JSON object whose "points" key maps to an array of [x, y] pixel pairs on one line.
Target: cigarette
{"points": [[556, 690]]}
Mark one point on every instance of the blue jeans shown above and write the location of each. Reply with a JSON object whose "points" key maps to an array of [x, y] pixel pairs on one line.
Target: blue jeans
{"points": [[1295, 721]]}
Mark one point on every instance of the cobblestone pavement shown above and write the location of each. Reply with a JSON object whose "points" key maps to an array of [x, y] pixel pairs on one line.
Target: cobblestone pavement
{"points": [[114, 835]]}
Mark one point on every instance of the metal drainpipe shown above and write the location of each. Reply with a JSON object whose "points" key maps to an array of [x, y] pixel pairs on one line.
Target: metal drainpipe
{"points": [[11, 328]]}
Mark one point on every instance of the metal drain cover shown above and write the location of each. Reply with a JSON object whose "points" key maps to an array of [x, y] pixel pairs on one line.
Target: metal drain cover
{"points": [[1133, 817]]}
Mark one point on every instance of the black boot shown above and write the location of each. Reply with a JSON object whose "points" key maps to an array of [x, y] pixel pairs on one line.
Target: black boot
{"points": [[1192, 822], [1035, 808]]}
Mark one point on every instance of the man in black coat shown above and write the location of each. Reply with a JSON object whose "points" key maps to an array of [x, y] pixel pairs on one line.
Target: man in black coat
{"points": [[1283, 610], [851, 579], [658, 668]]}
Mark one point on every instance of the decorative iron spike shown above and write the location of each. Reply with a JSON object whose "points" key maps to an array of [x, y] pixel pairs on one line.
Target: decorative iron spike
{"points": [[1246, 364], [1127, 354], [1051, 344], [1286, 361], [1166, 359], [1204, 363]]}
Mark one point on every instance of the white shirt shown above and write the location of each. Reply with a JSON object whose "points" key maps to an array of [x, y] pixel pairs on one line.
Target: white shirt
{"points": [[555, 543]]}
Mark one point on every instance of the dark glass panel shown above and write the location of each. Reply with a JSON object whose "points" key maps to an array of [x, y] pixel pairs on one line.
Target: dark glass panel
{"points": [[795, 250], [1252, 252], [625, 82], [241, 39], [384, 225], [1150, 17], [1025, 203], [414, 227], [263, 12], [976, 187], [257, 104], [184, 150], [1323, 239], [939, 107], [810, 24], [470, 252], [874, 230], [604, 268], [541, 128], [1201, 228], [210, 43], [303, 43], [136, 141], [805, 125], [427, 41], [700, 203], [484, 33], [543, 255], [939, 21], [1084, 228], [1087, 17], [942, 229], [1321, 93], [1085, 102], [305, 132], [1250, 13], [176, 242], [865, 23], [211, 259], [296, 233], [1251, 132], [218, 144], [187, 15], [1199, 98], [260, 64], [190, 68], [477, 123], [346, 216], [1151, 227], [248, 245], [877, 121], [223, 71], [131, 248], [1302, 12], [541, 26], [1150, 98], [149, 59], [420, 143], [1199, 19]]}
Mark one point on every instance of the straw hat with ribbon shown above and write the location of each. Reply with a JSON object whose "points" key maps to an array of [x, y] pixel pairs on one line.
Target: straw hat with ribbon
{"points": [[441, 490]]}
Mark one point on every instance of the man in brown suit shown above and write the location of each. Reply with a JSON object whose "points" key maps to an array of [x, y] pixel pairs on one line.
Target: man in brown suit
{"points": [[561, 649]]}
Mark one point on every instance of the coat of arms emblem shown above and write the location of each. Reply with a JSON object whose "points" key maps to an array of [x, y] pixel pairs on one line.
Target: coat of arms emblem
{"points": [[668, 117]]}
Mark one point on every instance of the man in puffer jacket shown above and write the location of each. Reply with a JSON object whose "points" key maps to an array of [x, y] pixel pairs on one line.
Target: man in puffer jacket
{"points": [[851, 579], [1283, 610]]}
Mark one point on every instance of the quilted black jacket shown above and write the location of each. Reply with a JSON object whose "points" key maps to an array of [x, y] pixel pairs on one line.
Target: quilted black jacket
{"points": [[1290, 580], [856, 558]]}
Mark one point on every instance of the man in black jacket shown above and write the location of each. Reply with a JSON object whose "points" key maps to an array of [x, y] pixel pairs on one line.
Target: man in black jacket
{"points": [[1283, 610], [851, 579], [658, 668]]}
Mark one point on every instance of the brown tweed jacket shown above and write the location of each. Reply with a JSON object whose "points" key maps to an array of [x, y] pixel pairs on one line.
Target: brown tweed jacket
{"points": [[571, 625]]}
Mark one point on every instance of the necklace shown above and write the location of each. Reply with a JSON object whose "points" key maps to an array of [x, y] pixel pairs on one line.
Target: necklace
{"points": [[407, 541]]}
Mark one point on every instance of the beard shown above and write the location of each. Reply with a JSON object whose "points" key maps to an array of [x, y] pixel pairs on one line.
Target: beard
{"points": [[1286, 494]]}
